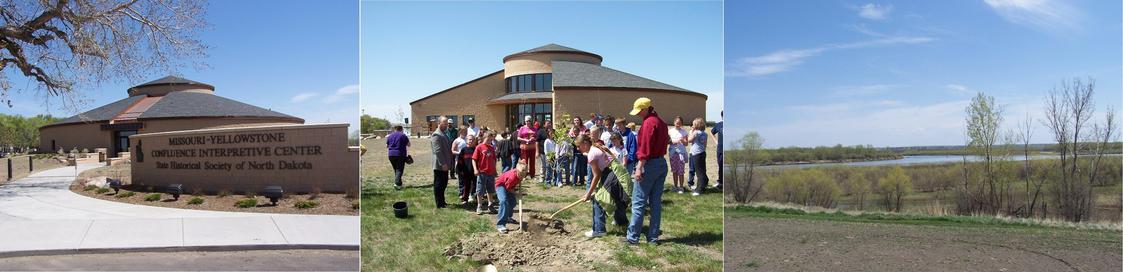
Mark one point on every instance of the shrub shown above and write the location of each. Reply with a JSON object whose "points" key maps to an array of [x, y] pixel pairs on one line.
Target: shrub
{"points": [[197, 191], [305, 204], [89, 187], [250, 194], [315, 193], [125, 194], [152, 197], [224, 193], [195, 201], [102, 190], [246, 203]]}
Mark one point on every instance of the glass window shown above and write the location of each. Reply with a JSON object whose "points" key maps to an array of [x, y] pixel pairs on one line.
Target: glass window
{"points": [[547, 82], [538, 82], [525, 81]]}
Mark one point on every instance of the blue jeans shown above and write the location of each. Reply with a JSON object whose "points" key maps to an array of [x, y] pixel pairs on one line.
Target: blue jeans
{"points": [[690, 175], [631, 167], [648, 192], [563, 167], [506, 206], [505, 163], [619, 216], [580, 167], [547, 171], [703, 179], [485, 183]]}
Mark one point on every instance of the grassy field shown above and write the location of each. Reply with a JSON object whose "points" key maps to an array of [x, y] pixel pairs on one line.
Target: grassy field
{"points": [[20, 166], [692, 226], [771, 238]]}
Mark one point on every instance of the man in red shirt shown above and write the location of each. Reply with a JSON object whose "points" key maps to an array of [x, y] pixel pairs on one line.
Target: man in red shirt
{"points": [[483, 161], [650, 173]]}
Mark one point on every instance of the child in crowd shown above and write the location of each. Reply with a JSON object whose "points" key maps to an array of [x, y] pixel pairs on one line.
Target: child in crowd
{"points": [[618, 149], [457, 144], [465, 170], [562, 167], [483, 163], [506, 186], [548, 147], [698, 139], [503, 150], [677, 154]]}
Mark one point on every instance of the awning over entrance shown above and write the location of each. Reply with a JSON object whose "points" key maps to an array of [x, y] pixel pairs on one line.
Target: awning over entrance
{"points": [[521, 98]]}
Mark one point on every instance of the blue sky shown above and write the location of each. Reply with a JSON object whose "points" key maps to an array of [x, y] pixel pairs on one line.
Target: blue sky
{"points": [[413, 49], [900, 73], [288, 56]]}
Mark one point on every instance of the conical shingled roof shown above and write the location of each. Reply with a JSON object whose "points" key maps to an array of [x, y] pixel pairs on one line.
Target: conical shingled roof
{"points": [[177, 104], [552, 48], [171, 80]]}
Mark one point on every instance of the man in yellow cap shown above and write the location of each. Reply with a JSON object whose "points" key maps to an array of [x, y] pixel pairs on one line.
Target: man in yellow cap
{"points": [[650, 172]]}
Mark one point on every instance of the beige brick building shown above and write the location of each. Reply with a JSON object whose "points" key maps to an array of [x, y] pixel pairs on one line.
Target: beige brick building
{"points": [[548, 82], [166, 104]]}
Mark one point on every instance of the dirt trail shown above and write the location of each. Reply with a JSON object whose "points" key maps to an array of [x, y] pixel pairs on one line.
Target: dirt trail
{"points": [[544, 245], [768, 244]]}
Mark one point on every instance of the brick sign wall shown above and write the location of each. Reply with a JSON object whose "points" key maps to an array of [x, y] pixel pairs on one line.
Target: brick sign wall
{"points": [[300, 158]]}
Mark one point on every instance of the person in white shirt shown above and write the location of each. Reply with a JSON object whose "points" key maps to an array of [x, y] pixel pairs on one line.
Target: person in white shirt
{"points": [[461, 142], [548, 168], [563, 165], [677, 154], [473, 130], [591, 122]]}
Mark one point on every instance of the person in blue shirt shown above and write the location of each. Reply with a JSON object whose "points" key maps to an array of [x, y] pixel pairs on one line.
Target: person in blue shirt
{"points": [[716, 131], [630, 144]]}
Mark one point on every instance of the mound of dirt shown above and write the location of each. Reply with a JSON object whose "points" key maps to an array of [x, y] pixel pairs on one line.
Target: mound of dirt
{"points": [[543, 245]]}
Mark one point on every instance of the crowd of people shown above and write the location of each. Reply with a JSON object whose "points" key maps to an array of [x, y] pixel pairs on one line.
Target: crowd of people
{"points": [[617, 163]]}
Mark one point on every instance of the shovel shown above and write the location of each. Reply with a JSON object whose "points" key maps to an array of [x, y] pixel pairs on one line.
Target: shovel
{"points": [[522, 223], [565, 208]]}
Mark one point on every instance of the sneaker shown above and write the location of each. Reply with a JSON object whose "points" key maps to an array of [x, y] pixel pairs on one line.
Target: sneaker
{"points": [[653, 242], [679, 191], [471, 199], [628, 242], [502, 229], [479, 210], [695, 194], [397, 187], [593, 234], [463, 203]]}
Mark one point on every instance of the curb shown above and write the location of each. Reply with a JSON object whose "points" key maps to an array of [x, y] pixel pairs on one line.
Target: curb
{"points": [[52, 252]]}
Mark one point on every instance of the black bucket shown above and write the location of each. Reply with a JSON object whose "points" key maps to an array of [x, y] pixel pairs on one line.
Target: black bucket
{"points": [[401, 210]]}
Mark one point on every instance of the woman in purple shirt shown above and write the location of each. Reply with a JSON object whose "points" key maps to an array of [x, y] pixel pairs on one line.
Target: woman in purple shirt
{"points": [[397, 142]]}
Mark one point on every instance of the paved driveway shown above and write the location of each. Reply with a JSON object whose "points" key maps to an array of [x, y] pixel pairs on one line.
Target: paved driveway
{"points": [[39, 214]]}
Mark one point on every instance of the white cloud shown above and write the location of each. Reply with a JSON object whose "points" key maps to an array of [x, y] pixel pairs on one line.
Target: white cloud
{"points": [[1047, 15], [301, 97], [874, 11], [341, 93], [786, 59], [957, 89]]}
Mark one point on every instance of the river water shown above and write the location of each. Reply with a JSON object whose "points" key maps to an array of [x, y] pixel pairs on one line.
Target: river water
{"points": [[909, 160]]}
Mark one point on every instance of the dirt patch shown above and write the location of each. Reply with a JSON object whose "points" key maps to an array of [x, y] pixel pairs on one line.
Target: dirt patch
{"points": [[543, 245], [769, 244]]}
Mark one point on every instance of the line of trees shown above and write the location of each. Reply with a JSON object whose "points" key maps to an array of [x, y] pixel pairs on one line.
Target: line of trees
{"points": [[19, 133], [837, 153], [993, 184]]}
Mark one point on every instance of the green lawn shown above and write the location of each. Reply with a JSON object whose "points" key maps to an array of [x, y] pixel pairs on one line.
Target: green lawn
{"points": [[692, 226]]}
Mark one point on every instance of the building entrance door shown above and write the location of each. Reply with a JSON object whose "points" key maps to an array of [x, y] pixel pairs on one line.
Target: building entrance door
{"points": [[121, 141]]}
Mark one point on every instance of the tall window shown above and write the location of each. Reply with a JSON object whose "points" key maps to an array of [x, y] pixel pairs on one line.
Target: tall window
{"points": [[540, 112], [530, 83]]}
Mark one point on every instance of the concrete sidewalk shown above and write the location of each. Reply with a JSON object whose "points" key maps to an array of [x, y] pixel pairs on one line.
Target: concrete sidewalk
{"points": [[40, 215]]}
